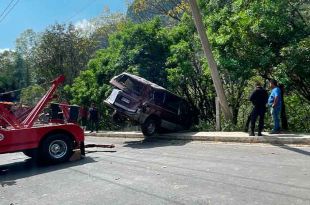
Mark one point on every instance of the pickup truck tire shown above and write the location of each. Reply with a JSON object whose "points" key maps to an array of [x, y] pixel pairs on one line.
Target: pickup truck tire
{"points": [[56, 148], [149, 127]]}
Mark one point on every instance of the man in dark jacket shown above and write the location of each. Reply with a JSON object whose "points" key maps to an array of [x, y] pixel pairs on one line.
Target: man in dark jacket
{"points": [[93, 118], [259, 99]]}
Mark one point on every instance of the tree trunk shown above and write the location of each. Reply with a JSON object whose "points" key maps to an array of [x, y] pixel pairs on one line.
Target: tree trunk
{"points": [[211, 62], [284, 123]]}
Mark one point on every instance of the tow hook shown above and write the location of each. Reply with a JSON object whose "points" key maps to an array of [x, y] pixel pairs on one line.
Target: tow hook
{"points": [[84, 146]]}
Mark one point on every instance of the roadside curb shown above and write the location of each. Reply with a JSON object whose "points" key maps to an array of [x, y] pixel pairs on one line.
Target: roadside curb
{"points": [[116, 134], [239, 137]]}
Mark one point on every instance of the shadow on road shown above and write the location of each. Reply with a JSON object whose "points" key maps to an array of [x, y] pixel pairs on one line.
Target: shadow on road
{"points": [[9, 173], [293, 149], [154, 142]]}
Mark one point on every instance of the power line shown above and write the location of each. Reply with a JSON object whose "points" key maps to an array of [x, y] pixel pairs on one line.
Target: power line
{"points": [[81, 10], [12, 91], [17, 90], [6, 8], [9, 11]]}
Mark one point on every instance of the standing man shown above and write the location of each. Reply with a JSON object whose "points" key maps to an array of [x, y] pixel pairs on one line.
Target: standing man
{"points": [[275, 103], [83, 116], [93, 118], [259, 99]]}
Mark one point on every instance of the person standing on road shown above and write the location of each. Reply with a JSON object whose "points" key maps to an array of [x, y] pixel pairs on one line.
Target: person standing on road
{"points": [[275, 104], [83, 116], [93, 118], [259, 99]]}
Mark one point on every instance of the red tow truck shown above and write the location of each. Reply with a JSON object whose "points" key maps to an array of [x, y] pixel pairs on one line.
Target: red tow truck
{"points": [[52, 142]]}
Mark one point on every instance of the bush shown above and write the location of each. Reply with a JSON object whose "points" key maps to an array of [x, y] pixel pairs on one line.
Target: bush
{"points": [[31, 95], [204, 125], [298, 113]]}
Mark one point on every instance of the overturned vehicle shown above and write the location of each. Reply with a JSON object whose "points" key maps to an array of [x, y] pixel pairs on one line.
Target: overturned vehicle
{"points": [[152, 106]]}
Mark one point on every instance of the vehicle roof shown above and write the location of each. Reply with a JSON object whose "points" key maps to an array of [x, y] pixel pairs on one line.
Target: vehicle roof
{"points": [[144, 81]]}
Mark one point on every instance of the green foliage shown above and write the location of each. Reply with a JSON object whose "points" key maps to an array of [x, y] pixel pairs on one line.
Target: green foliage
{"points": [[12, 73], [61, 50], [169, 11], [25, 45], [7, 68], [31, 95], [298, 113], [188, 73], [247, 38], [105, 25], [251, 40], [204, 125], [294, 69], [140, 49]]}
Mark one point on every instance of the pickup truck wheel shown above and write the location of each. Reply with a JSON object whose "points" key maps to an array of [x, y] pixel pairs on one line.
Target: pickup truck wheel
{"points": [[149, 127], [56, 148]]}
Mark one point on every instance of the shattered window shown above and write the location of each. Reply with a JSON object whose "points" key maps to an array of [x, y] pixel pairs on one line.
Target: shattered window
{"points": [[131, 85]]}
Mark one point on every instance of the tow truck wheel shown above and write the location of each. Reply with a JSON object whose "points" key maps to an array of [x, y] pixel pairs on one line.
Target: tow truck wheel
{"points": [[56, 148], [149, 127]]}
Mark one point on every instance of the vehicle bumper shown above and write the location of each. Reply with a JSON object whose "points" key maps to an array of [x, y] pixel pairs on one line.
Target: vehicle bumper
{"points": [[122, 110]]}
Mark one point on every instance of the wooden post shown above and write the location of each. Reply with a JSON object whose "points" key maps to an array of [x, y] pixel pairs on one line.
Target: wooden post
{"points": [[217, 114]]}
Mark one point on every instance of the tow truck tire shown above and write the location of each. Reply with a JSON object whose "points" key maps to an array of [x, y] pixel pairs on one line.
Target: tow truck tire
{"points": [[56, 148], [149, 127]]}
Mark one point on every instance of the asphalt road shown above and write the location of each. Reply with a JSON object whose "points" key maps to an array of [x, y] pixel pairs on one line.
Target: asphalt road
{"points": [[162, 172]]}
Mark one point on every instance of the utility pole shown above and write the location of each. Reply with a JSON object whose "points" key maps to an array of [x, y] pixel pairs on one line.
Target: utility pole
{"points": [[211, 62]]}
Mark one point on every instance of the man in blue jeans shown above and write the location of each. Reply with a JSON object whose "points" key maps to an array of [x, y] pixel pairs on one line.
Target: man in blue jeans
{"points": [[275, 104]]}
